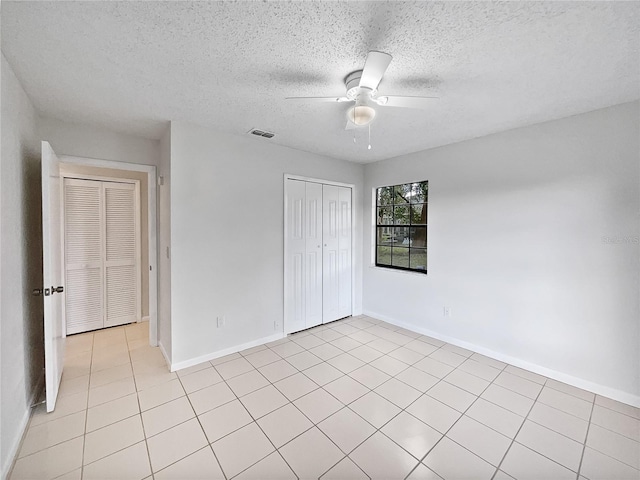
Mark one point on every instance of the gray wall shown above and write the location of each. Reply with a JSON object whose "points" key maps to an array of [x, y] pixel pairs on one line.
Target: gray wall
{"points": [[21, 328], [227, 235], [533, 243]]}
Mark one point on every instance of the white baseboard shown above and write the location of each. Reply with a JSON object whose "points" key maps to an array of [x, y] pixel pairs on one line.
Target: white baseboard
{"points": [[164, 354], [13, 451], [603, 390], [145, 318], [24, 422], [226, 351]]}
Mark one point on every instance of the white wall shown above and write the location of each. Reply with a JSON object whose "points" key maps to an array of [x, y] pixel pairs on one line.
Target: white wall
{"points": [[164, 245], [533, 243], [21, 330], [227, 235], [87, 141]]}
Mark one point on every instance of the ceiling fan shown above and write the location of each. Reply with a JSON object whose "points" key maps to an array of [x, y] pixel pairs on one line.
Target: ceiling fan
{"points": [[362, 88]]}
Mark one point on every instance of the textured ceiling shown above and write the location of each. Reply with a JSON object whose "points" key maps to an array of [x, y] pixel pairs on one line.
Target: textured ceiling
{"points": [[132, 66]]}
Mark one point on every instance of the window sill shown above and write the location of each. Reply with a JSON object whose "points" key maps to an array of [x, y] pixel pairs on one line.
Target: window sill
{"points": [[396, 270]]}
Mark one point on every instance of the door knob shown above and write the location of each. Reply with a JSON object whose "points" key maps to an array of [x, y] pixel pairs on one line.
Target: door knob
{"points": [[57, 289], [36, 292]]}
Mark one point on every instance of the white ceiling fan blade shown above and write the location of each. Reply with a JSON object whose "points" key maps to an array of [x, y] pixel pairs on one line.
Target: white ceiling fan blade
{"points": [[320, 99], [350, 125], [404, 101], [374, 68]]}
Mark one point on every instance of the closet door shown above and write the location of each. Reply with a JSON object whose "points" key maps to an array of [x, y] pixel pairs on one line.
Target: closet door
{"points": [[317, 254], [330, 253], [83, 255], [344, 252], [122, 251], [337, 252], [295, 252], [313, 257]]}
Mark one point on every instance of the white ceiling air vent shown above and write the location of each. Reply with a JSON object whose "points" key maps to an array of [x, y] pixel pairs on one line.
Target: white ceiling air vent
{"points": [[261, 133]]}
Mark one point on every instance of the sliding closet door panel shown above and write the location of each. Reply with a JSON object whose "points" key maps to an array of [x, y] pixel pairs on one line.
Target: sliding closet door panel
{"points": [[295, 252], [121, 254], [344, 255], [313, 240], [83, 255], [331, 252]]}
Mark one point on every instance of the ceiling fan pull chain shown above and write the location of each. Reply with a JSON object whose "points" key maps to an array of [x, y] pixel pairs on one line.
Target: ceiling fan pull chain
{"points": [[369, 137]]}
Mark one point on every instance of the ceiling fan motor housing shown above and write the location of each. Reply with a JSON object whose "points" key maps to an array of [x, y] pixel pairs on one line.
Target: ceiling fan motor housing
{"points": [[352, 82]]}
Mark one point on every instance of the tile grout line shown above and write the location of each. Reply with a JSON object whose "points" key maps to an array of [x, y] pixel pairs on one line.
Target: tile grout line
{"points": [[83, 435], [586, 436], [197, 417], [421, 460], [257, 424], [308, 393], [119, 450], [513, 440], [423, 393], [613, 410], [86, 419], [551, 429], [144, 433], [524, 420], [513, 391], [373, 390], [320, 387], [268, 413]]}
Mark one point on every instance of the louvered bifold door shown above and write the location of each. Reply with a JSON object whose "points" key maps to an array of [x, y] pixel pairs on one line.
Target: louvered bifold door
{"points": [[83, 255], [122, 277]]}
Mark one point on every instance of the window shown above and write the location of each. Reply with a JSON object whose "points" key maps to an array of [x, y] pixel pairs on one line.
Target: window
{"points": [[401, 226]]}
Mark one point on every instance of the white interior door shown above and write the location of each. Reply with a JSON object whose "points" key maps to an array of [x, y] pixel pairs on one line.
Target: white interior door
{"points": [[295, 251], [344, 252], [313, 257], [52, 274], [83, 225], [122, 254], [330, 253], [336, 234]]}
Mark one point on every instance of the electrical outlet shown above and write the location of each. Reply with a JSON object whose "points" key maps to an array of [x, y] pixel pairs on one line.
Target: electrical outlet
{"points": [[447, 312], [221, 321], [276, 325]]}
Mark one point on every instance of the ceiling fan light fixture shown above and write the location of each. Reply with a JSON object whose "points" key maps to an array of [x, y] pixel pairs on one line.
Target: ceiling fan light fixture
{"points": [[361, 115]]}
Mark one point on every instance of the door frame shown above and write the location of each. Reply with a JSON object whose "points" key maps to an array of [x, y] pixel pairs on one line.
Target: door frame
{"points": [[351, 186], [151, 172], [101, 178]]}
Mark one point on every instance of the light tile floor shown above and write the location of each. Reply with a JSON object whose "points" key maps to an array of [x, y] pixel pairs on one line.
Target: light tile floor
{"points": [[353, 399]]}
